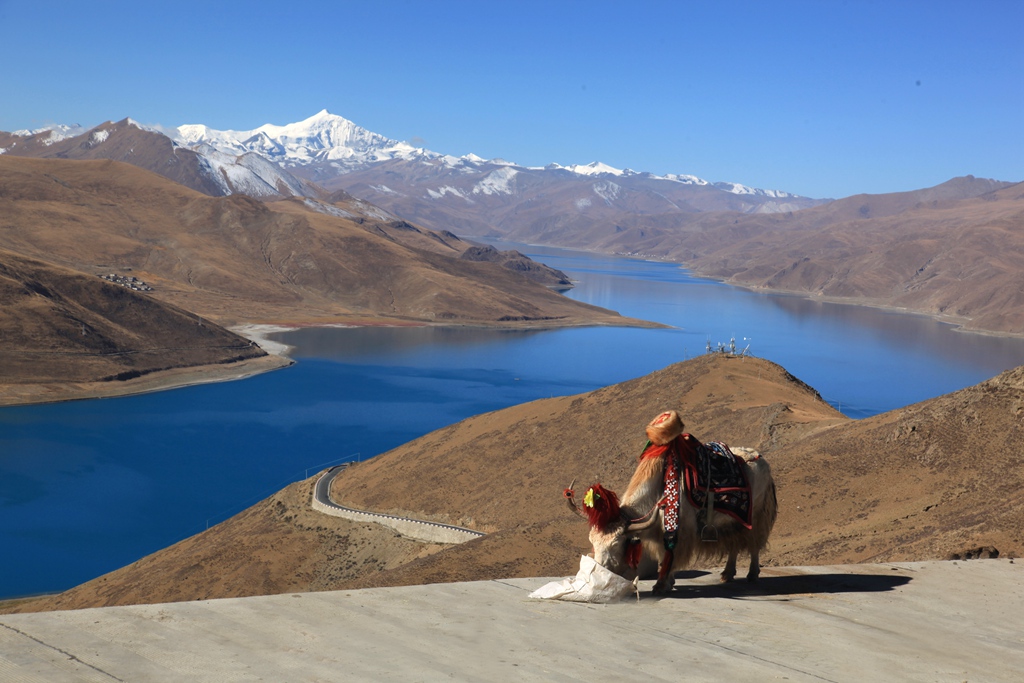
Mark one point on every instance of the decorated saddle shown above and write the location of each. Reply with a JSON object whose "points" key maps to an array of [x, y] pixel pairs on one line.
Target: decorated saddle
{"points": [[713, 467], [704, 469]]}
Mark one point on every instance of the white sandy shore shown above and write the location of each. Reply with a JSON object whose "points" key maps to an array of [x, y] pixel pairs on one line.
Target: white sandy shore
{"points": [[258, 333]]}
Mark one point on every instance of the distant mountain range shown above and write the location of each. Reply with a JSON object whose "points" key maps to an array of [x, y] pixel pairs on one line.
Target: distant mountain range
{"points": [[945, 250], [205, 168], [326, 146]]}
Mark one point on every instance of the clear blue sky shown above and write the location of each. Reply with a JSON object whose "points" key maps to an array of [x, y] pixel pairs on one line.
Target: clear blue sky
{"points": [[823, 98]]}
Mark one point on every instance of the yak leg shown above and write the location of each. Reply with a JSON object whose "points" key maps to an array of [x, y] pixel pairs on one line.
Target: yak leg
{"points": [[664, 586], [666, 577], [755, 562], [729, 573]]}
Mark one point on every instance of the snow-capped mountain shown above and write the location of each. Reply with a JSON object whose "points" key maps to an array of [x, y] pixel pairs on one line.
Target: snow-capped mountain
{"points": [[204, 167], [472, 195], [250, 173], [322, 137], [327, 138], [466, 194], [55, 132]]}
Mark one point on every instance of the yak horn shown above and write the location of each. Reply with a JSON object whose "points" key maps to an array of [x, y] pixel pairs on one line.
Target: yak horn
{"points": [[570, 499], [645, 522]]}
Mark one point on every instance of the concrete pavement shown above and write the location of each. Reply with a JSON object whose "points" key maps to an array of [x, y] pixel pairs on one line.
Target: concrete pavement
{"points": [[931, 621]]}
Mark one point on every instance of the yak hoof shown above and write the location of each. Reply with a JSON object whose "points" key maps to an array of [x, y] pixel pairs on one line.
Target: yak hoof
{"points": [[663, 587], [752, 577], [726, 577]]}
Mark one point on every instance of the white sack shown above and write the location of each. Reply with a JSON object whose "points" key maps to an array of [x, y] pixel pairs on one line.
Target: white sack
{"points": [[593, 583]]}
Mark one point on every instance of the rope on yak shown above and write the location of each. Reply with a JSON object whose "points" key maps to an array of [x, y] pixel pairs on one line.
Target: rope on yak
{"points": [[709, 532]]}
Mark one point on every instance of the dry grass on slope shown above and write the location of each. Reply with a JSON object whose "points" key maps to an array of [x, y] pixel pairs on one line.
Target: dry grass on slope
{"points": [[65, 333], [235, 259], [279, 545], [934, 480], [929, 481], [503, 472]]}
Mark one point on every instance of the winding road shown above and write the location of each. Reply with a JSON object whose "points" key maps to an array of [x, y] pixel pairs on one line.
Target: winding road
{"points": [[417, 529]]}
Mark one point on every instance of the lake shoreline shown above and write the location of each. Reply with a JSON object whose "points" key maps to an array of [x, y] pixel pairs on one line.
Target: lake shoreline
{"points": [[162, 380], [278, 357], [959, 323]]}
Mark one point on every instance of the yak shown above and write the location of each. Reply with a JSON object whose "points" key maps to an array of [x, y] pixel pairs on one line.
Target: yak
{"points": [[686, 501]]}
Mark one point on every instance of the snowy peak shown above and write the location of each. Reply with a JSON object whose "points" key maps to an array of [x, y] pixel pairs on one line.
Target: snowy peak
{"points": [[57, 132], [684, 179], [736, 188], [501, 181], [333, 140], [594, 168], [321, 137], [325, 145]]}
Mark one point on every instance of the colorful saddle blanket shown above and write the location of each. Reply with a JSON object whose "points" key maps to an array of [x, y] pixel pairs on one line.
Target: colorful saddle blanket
{"points": [[713, 465]]}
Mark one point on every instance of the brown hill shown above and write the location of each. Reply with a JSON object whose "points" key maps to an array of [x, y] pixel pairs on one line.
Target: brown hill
{"points": [[958, 258], [66, 334], [237, 259], [955, 251], [513, 260], [931, 481], [120, 142]]}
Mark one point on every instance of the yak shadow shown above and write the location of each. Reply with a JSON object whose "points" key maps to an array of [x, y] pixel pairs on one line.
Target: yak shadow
{"points": [[778, 586]]}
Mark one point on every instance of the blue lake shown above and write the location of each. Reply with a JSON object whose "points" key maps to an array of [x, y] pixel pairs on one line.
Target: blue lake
{"points": [[89, 486]]}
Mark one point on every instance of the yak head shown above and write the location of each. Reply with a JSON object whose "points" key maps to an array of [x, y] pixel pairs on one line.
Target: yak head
{"points": [[612, 535]]}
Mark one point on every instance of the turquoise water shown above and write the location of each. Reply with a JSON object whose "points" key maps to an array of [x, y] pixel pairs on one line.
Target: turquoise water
{"points": [[89, 486]]}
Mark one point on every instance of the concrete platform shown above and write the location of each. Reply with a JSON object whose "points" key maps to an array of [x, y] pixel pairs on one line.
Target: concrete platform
{"points": [[932, 621]]}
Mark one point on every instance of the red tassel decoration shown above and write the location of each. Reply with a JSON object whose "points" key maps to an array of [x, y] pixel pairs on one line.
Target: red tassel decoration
{"points": [[633, 552], [601, 506]]}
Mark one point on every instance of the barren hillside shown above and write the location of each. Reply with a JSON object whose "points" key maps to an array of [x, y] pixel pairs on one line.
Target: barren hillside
{"points": [[962, 259], [238, 259], [930, 481], [66, 334], [955, 251], [228, 259]]}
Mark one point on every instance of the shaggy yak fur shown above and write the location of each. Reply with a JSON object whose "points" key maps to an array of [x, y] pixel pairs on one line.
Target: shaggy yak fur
{"points": [[615, 536]]}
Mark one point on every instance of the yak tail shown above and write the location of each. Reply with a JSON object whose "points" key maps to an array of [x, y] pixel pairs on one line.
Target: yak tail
{"points": [[764, 516]]}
